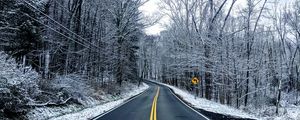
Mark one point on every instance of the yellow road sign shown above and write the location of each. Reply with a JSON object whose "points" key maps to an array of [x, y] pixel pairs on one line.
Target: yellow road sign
{"points": [[195, 80]]}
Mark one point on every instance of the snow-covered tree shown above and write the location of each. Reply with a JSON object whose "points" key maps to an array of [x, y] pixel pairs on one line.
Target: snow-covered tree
{"points": [[19, 85]]}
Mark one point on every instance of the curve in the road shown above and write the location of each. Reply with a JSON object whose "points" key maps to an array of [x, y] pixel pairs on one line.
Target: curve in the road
{"points": [[167, 105]]}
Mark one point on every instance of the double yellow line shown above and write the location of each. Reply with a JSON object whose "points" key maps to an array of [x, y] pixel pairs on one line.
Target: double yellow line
{"points": [[153, 109]]}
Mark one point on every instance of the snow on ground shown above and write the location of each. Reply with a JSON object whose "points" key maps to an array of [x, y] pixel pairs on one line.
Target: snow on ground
{"points": [[290, 112], [209, 105], [43, 113], [91, 112]]}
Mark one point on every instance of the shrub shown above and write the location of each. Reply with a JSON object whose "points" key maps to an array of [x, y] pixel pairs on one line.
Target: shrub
{"points": [[18, 86]]}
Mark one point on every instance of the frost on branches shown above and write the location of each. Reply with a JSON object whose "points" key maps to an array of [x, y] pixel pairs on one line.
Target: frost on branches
{"points": [[18, 86]]}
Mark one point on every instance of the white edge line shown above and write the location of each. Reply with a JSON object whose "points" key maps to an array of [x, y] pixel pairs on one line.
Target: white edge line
{"points": [[181, 100], [128, 100], [188, 105]]}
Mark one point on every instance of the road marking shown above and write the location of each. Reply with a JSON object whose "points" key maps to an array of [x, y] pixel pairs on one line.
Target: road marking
{"points": [[153, 108], [126, 101], [188, 105], [151, 114], [179, 99], [156, 104]]}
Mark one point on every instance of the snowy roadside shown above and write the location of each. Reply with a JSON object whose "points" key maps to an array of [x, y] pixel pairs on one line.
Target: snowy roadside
{"points": [[208, 105], [75, 112], [91, 112], [290, 112]]}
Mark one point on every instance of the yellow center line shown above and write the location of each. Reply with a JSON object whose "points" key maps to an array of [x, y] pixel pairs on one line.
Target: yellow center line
{"points": [[153, 109]]}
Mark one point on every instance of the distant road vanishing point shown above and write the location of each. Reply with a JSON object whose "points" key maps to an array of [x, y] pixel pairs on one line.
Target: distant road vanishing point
{"points": [[157, 103]]}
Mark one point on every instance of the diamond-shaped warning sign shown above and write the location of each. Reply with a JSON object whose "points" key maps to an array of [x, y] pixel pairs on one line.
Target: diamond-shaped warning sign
{"points": [[195, 80]]}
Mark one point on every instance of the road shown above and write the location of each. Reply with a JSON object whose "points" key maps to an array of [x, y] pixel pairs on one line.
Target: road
{"points": [[157, 103]]}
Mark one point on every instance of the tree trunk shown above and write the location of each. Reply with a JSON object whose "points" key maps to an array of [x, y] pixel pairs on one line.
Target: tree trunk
{"points": [[278, 96], [207, 53], [47, 62]]}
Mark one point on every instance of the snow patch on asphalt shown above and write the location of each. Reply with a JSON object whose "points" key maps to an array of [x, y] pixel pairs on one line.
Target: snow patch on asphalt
{"points": [[208, 105]]}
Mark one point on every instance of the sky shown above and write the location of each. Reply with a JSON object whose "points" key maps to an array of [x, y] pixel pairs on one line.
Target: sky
{"points": [[152, 8], [149, 9]]}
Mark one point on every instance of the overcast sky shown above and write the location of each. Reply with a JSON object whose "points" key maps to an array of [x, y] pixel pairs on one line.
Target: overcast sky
{"points": [[151, 8]]}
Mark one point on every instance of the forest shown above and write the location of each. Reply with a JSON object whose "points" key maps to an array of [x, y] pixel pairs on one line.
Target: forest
{"points": [[88, 45], [64, 52], [247, 58]]}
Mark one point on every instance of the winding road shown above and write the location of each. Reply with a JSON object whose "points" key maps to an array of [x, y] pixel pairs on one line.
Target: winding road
{"points": [[156, 103]]}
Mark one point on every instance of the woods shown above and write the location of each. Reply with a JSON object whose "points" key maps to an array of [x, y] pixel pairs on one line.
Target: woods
{"points": [[75, 36], [53, 53], [91, 43], [247, 58]]}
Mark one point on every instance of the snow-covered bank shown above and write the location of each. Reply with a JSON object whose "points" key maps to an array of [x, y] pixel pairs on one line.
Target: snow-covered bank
{"points": [[290, 112], [99, 109], [208, 105]]}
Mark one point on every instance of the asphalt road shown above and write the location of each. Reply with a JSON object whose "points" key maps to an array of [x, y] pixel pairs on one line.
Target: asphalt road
{"points": [[157, 103]]}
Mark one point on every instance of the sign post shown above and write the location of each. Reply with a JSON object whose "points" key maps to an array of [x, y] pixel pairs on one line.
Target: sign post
{"points": [[195, 82]]}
